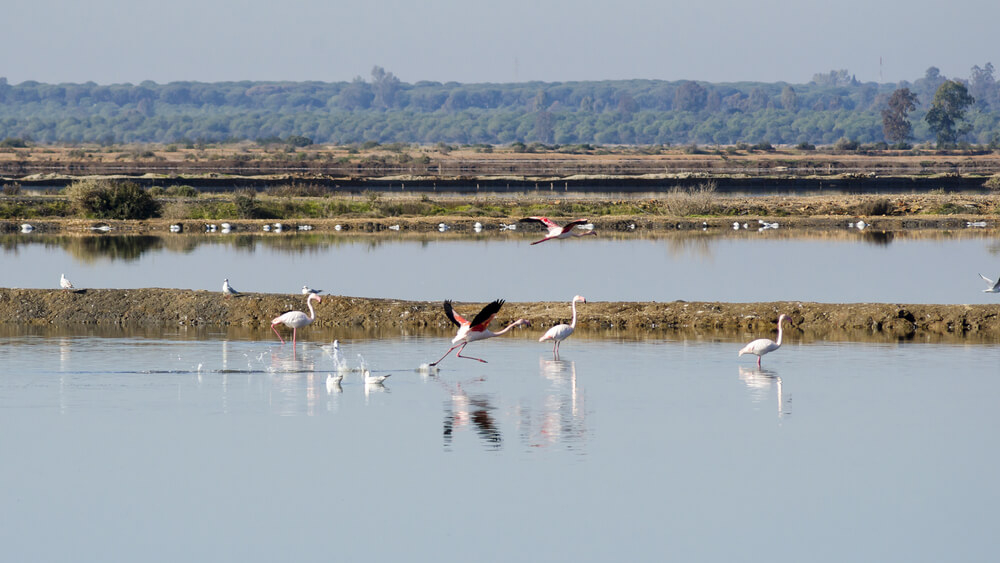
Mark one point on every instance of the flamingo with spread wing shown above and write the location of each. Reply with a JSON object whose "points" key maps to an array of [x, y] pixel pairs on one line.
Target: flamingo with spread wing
{"points": [[560, 231], [476, 329]]}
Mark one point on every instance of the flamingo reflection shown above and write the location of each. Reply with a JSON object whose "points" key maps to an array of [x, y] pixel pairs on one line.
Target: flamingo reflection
{"points": [[464, 409], [561, 416], [759, 381]]}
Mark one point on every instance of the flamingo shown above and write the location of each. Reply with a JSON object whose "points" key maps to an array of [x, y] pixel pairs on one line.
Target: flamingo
{"points": [[994, 286], [227, 289], [557, 231], [296, 319], [65, 283], [477, 329], [763, 346], [561, 332]]}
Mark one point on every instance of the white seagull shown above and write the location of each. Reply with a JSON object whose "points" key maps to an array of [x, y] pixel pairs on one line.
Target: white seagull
{"points": [[374, 379], [65, 283], [306, 290], [994, 285], [227, 289], [333, 383], [763, 346], [561, 332]]}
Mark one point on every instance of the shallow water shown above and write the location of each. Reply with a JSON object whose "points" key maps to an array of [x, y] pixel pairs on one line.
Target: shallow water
{"points": [[164, 448], [743, 266]]}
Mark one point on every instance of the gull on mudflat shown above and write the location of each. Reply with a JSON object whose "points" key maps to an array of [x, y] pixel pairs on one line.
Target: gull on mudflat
{"points": [[65, 283], [227, 289]]}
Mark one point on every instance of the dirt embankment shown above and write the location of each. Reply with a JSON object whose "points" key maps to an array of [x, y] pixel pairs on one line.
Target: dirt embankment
{"points": [[810, 321]]}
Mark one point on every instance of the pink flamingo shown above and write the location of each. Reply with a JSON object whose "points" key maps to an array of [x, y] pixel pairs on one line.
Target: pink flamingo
{"points": [[296, 319], [478, 329], [561, 332], [557, 231], [763, 346]]}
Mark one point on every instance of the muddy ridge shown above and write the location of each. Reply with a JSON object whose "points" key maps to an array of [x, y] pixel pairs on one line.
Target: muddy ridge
{"points": [[811, 321]]}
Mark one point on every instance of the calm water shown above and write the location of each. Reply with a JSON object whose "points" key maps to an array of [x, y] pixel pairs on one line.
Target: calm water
{"points": [[842, 266], [185, 446]]}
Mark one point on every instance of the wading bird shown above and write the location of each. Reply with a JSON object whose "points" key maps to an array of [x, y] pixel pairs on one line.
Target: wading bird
{"points": [[557, 231], [227, 289], [477, 329], [994, 286], [763, 346], [64, 283], [561, 332], [296, 319]]}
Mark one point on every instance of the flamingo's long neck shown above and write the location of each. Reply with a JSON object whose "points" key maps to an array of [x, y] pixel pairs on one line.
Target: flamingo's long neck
{"points": [[573, 324], [312, 314], [510, 326], [781, 322]]}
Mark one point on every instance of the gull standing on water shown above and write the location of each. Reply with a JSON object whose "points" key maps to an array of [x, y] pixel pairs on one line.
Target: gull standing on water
{"points": [[763, 346], [227, 289], [65, 283], [994, 285]]}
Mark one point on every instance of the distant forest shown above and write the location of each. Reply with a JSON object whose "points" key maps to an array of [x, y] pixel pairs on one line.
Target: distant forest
{"points": [[830, 108]]}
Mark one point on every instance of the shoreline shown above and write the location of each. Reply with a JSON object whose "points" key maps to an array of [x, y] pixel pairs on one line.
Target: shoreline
{"points": [[154, 307]]}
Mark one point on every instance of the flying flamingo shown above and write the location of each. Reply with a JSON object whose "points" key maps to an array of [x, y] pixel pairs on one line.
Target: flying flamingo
{"points": [[763, 346], [994, 286], [561, 332], [296, 319], [557, 231], [477, 329]]}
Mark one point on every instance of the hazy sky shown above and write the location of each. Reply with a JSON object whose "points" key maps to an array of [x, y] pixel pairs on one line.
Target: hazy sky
{"points": [[113, 41]]}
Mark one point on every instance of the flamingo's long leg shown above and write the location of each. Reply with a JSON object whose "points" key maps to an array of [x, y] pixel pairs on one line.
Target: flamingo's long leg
{"points": [[279, 336], [459, 354], [445, 355]]}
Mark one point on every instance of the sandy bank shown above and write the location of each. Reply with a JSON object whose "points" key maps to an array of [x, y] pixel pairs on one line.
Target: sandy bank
{"points": [[811, 321]]}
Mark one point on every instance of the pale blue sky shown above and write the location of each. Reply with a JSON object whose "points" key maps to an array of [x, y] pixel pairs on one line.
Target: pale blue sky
{"points": [[113, 41]]}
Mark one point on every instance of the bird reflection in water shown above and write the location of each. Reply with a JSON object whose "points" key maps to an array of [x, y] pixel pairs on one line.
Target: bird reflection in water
{"points": [[760, 381], [561, 415], [287, 374], [464, 409]]}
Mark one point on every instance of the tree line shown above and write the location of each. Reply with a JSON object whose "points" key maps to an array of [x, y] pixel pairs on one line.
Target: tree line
{"points": [[832, 106]]}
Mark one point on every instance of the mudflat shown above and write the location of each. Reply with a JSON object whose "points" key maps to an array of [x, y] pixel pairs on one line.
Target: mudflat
{"points": [[810, 321]]}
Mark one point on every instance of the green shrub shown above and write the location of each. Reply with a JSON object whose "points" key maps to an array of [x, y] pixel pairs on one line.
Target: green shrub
{"points": [[845, 144], [12, 189], [245, 201], [993, 184], [14, 143], [182, 191], [107, 199]]}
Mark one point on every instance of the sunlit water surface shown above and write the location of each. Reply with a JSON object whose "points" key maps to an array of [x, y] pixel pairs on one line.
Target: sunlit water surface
{"points": [[743, 266], [194, 448]]}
